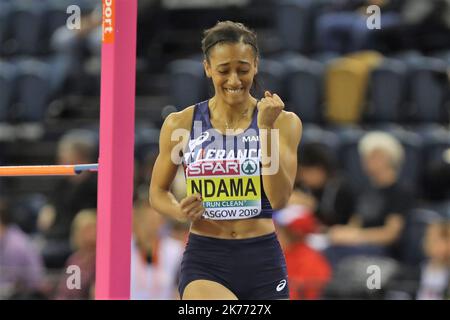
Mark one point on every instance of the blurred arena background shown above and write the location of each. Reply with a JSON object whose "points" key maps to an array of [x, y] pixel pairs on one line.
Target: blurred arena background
{"points": [[343, 80]]}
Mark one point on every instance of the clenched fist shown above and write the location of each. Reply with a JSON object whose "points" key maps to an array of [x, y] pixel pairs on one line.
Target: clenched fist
{"points": [[269, 108], [192, 207]]}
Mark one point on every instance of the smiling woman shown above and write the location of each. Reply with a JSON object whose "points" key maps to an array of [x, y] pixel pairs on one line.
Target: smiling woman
{"points": [[232, 251], [231, 68]]}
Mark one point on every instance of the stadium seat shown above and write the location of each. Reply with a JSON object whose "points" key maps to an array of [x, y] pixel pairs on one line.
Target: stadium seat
{"points": [[314, 134], [387, 92], [304, 86], [436, 140], [349, 158], [56, 16], [411, 240], [187, 82], [28, 27], [291, 21], [350, 277], [270, 77], [295, 23], [346, 83], [146, 140], [34, 90], [428, 90], [5, 23], [8, 78]]}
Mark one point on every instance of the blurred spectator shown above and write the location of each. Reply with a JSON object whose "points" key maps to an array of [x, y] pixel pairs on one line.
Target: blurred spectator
{"points": [[435, 272], [156, 252], [320, 187], [381, 210], [345, 30], [308, 270], [429, 280], [83, 241], [70, 195], [425, 26], [65, 40], [21, 267], [73, 47]]}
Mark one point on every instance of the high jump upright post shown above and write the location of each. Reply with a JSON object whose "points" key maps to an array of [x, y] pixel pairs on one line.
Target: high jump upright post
{"points": [[116, 156]]}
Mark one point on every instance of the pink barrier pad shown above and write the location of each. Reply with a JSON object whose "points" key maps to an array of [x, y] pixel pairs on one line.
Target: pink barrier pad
{"points": [[116, 162]]}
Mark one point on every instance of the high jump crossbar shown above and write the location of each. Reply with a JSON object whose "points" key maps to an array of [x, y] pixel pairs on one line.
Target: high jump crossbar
{"points": [[47, 170]]}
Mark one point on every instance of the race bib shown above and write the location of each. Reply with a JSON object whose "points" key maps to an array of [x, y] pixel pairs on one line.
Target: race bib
{"points": [[231, 188]]}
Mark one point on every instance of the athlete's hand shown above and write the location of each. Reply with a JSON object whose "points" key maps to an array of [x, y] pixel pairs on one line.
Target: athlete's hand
{"points": [[269, 108], [192, 207]]}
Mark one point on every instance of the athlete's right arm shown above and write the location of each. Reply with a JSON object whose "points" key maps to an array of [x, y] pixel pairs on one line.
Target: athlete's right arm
{"points": [[172, 141], [165, 168]]}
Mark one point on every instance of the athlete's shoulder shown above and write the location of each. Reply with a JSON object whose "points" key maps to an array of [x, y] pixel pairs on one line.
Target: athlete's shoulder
{"points": [[180, 119], [288, 120]]}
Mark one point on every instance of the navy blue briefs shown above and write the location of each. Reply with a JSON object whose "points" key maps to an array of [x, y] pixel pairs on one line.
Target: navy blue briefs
{"points": [[253, 268]]}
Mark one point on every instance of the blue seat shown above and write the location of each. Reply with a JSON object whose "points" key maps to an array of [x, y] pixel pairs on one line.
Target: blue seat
{"points": [[436, 140], [270, 77], [146, 141], [349, 158], [436, 183], [34, 90], [187, 82], [291, 22], [304, 86], [411, 239], [5, 23], [295, 23], [387, 92], [8, 81], [28, 27], [56, 16], [313, 134], [428, 90]]}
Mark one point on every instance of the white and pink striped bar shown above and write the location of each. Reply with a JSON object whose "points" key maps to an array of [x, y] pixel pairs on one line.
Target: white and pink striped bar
{"points": [[116, 164]]}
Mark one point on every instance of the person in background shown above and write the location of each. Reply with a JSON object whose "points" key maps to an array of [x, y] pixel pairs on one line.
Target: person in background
{"points": [[380, 212], [71, 194], [156, 253], [21, 266], [435, 271], [345, 29], [83, 241], [321, 188], [308, 270]]}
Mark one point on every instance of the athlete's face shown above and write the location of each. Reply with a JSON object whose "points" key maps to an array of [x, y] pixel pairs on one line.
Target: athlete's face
{"points": [[232, 67]]}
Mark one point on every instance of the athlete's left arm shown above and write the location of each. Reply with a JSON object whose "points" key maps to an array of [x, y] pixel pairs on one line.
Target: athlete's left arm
{"points": [[279, 183]]}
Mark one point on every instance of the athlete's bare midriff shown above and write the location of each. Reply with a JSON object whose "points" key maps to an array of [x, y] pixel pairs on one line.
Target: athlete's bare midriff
{"points": [[234, 229]]}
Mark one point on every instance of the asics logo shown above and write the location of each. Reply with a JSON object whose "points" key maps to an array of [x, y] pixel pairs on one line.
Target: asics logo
{"points": [[199, 140], [281, 285]]}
